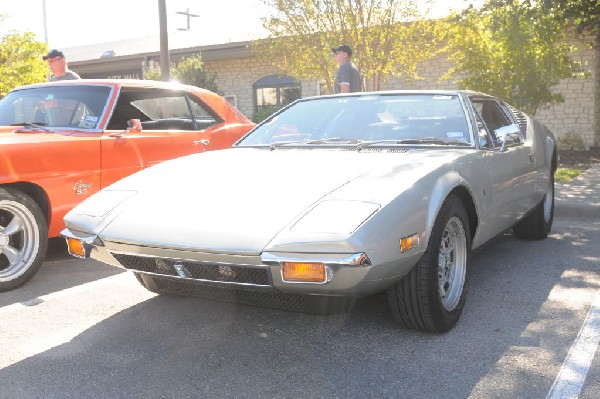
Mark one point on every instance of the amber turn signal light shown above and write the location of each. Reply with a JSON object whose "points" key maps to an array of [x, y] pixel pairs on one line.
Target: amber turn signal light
{"points": [[305, 272], [409, 242], [75, 247]]}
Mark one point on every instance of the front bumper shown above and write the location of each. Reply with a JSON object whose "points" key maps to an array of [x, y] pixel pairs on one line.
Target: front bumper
{"points": [[348, 275]]}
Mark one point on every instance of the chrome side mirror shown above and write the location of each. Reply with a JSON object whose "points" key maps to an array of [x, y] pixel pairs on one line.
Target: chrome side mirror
{"points": [[505, 133]]}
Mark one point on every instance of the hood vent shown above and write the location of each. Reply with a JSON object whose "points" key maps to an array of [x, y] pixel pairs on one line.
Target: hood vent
{"points": [[378, 150]]}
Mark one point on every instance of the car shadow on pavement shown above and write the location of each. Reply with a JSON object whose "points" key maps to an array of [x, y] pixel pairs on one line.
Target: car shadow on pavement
{"points": [[169, 346], [59, 271]]}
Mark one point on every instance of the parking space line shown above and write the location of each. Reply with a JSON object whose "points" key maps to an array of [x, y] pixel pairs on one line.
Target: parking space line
{"points": [[60, 294], [570, 379]]}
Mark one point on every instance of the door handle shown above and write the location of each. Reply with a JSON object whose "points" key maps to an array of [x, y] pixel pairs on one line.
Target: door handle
{"points": [[531, 158], [203, 142]]}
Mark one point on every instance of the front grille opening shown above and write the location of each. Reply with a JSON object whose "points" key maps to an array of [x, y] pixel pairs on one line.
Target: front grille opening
{"points": [[199, 271], [229, 274], [143, 264]]}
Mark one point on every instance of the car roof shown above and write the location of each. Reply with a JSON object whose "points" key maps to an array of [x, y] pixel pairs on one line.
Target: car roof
{"points": [[116, 83], [404, 92]]}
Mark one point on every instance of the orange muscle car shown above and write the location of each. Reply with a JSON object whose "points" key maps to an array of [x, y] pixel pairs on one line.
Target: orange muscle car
{"points": [[61, 142]]}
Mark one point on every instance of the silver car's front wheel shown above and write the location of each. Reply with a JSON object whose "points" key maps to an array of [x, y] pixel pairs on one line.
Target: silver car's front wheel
{"points": [[431, 297], [452, 264], [23, 238]]}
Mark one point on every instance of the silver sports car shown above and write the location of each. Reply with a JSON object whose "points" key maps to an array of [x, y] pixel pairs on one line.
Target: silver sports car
{"points": [[334, 198]]}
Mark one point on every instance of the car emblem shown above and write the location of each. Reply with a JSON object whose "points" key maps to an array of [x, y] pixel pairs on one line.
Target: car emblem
{"points": [[80, 187]]}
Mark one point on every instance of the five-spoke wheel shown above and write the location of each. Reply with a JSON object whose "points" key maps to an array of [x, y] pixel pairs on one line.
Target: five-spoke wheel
{"points": [[23, 238]]}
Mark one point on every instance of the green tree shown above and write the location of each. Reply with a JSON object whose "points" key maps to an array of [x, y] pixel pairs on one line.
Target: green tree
{"points": [[388, 37], [21, 61], [584, 17], [190, 71], [511, 49]]}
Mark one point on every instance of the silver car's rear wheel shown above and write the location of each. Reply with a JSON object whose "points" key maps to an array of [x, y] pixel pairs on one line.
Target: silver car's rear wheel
{"points": [[537, 224], [431, 297], [23, 238]]}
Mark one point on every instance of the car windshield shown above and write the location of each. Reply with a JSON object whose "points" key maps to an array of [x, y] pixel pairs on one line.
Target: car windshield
{"points": [[78, 106], [370, 119]]}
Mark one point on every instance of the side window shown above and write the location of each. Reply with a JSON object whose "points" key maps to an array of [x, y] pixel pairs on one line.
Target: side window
{"points": [[157, 109], [485, 140], [493, 116], [165, 113], [202, 115]]}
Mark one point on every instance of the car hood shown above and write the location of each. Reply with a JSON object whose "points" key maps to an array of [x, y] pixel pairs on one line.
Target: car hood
{"points": [[19, 134], [237, 200]]}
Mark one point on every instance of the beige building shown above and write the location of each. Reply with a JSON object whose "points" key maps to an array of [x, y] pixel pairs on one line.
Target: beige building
{"points": [[250, 83]]}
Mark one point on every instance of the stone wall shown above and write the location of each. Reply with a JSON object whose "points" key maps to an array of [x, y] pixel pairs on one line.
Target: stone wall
{"points": [[576, 115], [236, 77]]}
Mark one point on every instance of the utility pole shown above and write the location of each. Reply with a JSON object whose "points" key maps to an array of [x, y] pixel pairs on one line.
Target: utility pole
{"points": [[45, 24], [165, 63], [188, 17]]}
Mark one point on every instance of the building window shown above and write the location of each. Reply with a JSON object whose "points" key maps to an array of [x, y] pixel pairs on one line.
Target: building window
{"points": [[275, 91]]}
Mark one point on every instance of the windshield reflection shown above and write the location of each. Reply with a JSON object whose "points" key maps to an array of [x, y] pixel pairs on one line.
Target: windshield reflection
{"points": [[384, 119]]}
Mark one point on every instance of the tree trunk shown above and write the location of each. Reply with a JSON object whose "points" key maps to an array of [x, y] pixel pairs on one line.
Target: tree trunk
{"points": [[597, 94]]}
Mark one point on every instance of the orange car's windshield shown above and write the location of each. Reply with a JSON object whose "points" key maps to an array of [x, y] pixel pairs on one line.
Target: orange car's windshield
{"points": [[55, 106]]}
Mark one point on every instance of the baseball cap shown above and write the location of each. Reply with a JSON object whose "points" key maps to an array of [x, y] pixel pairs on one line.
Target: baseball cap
{"points": [[345, 48], [53, 54]]}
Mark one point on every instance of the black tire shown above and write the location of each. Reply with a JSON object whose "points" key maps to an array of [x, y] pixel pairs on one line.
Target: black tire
{"points": [[417, 301], [23, 238], [537, 225]]}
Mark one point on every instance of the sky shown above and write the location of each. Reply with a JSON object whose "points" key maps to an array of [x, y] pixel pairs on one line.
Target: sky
{"points": [[72, 23]]}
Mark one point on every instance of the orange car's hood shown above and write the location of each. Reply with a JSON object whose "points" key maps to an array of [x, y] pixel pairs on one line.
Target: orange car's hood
{"points": [[15, 134]]}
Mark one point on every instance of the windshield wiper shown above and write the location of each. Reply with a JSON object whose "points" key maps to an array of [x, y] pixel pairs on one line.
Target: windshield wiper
{"points": [[31, 126], [314, 142], [333, 140], [284, 143], [425, 140]]}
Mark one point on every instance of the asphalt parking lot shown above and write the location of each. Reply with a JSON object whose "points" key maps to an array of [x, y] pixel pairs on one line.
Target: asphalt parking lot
{"points": [[530, 329]]}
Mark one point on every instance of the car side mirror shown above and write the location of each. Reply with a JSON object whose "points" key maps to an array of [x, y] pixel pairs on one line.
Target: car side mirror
{"points": [[505, 134], [133, 125]]}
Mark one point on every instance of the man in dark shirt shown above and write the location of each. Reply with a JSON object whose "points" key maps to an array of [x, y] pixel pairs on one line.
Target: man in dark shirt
{"points": [[57, 63], [347, 78]]}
